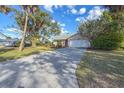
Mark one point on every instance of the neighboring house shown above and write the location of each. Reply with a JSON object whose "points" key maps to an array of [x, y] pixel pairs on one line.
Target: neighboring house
{"points": [[7, 41], [1, 42], [71, 40], [11, 42]]}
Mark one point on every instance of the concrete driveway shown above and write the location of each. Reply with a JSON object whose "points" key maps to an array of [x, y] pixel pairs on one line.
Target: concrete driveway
{"points": [[47, 69]]}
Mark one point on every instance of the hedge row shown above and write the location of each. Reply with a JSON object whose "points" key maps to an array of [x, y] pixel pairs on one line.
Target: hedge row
{"points": [[109, 40]]}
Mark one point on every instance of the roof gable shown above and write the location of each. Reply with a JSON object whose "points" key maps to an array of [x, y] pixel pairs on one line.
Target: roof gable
{"points": [[62, 36]]}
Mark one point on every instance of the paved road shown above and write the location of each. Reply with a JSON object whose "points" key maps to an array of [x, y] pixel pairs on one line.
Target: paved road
{"points": [[47, 69]]}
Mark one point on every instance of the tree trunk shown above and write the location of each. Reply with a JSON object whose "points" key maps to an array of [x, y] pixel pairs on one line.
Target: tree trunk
{"points": [[21, 47], [33, 43]]}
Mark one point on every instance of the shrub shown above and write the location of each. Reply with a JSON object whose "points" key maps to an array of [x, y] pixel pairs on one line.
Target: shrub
{"points": [[109, 40], [27, 43], [38, 43], [122, 45], [17, 43]]}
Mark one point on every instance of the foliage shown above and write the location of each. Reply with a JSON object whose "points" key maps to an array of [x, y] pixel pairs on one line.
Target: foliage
{"points": [[38, 43], [35, 21], [109, 40], [49, 30], [105, 32], [92, 28], [32, 18], [5, 9], [116, 13], [39, 25], [87, 28], [17, 43], [27, 43]]}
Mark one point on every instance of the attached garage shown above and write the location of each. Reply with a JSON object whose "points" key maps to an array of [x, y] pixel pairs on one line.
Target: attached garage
{"points": [[78, 41]]}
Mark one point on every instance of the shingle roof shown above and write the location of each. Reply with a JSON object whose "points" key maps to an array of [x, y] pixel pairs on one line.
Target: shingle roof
{"points": [[1, 40], [62, 36]]}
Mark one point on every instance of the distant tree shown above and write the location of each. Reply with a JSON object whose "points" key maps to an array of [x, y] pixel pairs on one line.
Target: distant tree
{"points": [[90, 28], [106, 22], [107, 31], [115, 8], [50, 30], [116, 12]]}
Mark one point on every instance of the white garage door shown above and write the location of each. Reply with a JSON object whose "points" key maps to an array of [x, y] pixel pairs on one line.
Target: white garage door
{"points": [[79, 43]]}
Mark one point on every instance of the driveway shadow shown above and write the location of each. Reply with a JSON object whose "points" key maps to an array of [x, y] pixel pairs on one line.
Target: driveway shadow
{"points": [[47, 69]]}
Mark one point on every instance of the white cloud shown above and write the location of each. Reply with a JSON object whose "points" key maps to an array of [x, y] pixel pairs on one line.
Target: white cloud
{"points": [[11, 32], [82, 10], [95, 13], [63, 31], [49, 8], [53, 21], [14, 30], [58, 23], [71, 9], [74, 11], [78, 19], [63, 25]]}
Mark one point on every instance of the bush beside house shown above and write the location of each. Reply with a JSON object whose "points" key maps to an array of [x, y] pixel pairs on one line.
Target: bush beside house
{"points": [[109, 40]]}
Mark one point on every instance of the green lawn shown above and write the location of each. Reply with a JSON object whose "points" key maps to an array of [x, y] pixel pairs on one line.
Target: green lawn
{"points": [[13, 53], [101, 69]]}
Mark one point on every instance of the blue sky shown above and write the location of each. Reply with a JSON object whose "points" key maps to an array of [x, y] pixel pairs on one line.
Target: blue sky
{"points": [[67, 16]]}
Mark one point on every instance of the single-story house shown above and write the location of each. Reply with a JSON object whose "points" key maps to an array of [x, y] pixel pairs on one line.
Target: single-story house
{"points": [[71, 40], [10, 42], [6, 41]]}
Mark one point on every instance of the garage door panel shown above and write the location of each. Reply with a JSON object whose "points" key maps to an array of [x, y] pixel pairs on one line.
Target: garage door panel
{"points": [[78, 43]]}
